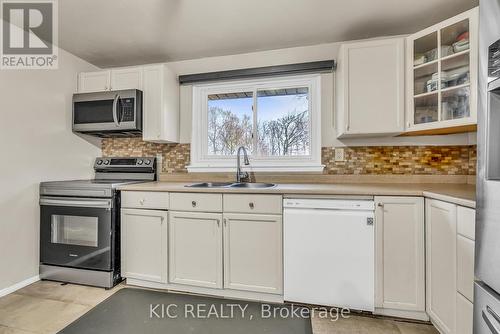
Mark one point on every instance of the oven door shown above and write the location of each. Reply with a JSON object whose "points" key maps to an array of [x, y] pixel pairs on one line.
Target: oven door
{"points": [[107, 111], [77, 232]]}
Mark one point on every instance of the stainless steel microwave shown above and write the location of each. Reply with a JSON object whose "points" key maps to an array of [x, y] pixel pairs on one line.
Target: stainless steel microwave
{"points": [[108, 114]]}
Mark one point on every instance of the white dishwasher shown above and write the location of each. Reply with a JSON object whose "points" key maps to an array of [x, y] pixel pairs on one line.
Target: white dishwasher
{"points": [[329, 252]]}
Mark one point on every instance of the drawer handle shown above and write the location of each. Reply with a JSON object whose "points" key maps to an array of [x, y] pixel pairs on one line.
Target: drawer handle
{"points": [[142, 201], [251, 205], [193, 203]]}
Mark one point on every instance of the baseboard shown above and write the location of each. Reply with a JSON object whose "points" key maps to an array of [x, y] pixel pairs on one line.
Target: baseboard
{"points": [[412, 315], [20, 285], [219, 293]]}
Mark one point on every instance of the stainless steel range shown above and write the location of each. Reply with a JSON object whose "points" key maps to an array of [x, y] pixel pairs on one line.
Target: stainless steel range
{"points": [[80, 222]]}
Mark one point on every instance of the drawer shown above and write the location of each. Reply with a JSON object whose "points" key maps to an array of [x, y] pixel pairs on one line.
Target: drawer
{"points": [[466, 224], [270, 204], [144, 200], [196, 202], [465, 267]]}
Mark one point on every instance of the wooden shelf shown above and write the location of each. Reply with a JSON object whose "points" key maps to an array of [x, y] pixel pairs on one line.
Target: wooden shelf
{"points": [[441, 131]]}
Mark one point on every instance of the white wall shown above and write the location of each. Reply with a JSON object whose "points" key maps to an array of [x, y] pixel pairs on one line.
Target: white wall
{"points": [[36, 144], [289, 56]]}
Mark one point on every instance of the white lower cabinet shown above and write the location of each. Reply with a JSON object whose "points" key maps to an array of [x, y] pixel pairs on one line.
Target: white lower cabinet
{"points": [[424, 267], [144, 245], [465, 267], [450, 266], [400, 257], [464, 315], [253, 253], [441, 234], [195, 249]]}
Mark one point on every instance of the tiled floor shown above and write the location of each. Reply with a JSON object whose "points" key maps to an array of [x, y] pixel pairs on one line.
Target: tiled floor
{"points": [[47, 307]]}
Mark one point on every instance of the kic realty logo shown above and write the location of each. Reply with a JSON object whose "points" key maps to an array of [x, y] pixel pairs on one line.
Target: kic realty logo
{"points": [[28, 34]]}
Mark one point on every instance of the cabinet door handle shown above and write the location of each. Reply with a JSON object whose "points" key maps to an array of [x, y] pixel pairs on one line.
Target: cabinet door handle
{"points": [[225, 221], [251, 205], [193, 203], [218, 222], [380, 205]]}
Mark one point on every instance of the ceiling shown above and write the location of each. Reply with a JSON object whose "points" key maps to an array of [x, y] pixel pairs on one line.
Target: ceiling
{"points": [[129, 32]]}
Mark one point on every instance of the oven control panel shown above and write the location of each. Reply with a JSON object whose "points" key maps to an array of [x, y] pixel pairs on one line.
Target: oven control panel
{"points": [[112, 162]]}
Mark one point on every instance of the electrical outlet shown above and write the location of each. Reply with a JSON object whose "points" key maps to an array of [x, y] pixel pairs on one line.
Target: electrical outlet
{"points": [[339, 154]]}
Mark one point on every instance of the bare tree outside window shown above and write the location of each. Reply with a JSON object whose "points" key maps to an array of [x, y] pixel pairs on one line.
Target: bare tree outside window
{"points": [[283, 122], [230, 122]]}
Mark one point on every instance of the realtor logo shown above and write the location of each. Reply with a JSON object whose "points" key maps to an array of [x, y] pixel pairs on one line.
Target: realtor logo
{"points": [[29, 31]]}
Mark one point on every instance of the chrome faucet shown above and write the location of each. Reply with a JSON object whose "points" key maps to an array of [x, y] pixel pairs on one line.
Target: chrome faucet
{"points": [[239, 174]]}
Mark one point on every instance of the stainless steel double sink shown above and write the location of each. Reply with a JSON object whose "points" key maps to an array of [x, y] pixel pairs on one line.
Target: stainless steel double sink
{"points": [[240, 185]]}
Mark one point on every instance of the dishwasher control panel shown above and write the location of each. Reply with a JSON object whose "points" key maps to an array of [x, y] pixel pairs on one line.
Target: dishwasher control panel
{"points": [[329, 204]]}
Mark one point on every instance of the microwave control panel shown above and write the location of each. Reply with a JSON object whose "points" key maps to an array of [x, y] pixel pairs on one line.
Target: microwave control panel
{"points": [[494, 60], [127, 109]]}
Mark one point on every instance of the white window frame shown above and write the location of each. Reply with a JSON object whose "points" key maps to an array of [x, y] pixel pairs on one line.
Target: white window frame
{"points": [[202, 162]]}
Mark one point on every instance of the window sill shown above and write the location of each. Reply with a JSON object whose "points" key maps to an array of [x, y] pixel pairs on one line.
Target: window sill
{"points": [[257, 169]]}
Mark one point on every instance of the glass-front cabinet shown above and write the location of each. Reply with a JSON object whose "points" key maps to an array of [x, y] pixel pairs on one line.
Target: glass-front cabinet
{"points": [[442, 75]]}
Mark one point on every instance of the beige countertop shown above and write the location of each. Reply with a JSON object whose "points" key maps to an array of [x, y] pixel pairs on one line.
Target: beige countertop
{"points": [[460, 194]]}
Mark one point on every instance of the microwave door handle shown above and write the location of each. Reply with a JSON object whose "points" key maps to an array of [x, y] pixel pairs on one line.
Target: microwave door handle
{"points": [[115, 110]]}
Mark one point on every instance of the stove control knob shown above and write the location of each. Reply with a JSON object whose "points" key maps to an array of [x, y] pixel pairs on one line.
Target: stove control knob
{"points": [[106, 162], [147, 162], [99, 162], [139, 162]]}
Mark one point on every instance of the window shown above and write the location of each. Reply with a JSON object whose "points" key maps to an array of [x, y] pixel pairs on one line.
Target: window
{"points": [[276, 120]]}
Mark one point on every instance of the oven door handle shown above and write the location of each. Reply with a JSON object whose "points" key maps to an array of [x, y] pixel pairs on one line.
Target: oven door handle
{"points": [[77, 202], [115, 110]]}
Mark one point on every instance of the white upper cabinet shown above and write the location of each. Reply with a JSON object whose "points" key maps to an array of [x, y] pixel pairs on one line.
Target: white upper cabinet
{"points": [[89, 82], [126, 78], [160, 96], [441, 73], [161, 104], [370, 88]]}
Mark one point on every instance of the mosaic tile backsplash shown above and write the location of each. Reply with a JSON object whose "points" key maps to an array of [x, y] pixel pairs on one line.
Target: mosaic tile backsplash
{"points": [[175, 156], [403, 160], [369, 160]]}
